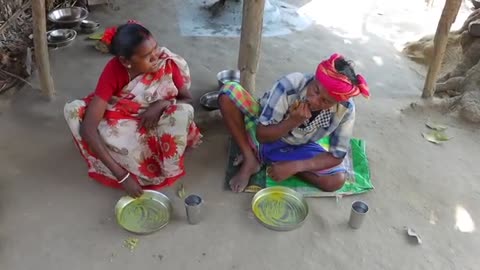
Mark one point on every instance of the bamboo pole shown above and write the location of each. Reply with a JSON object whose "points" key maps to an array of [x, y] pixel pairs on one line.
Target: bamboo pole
{"points": [[41, 47], [449, 14], [250, 42]]}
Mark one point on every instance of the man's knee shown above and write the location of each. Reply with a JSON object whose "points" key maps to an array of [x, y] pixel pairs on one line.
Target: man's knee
{"points": [[226, 103], [222, 98], [333, 182]]}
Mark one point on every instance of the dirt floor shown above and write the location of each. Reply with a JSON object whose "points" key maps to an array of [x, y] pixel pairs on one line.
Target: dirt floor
{"points": [[53, 217]]}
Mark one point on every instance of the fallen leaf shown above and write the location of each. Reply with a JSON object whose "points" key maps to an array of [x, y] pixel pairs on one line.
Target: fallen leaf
{"points": [[131, 243], [436, 136], [96, 35], [102, 47], [181, 191], [436, 126]]}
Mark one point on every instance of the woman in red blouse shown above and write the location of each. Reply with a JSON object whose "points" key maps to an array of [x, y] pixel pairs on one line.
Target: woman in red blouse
{"points": [[134, 129]]}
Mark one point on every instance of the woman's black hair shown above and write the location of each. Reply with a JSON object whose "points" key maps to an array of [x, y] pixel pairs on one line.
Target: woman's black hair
{"points": [[344, 67], [127, 38]]}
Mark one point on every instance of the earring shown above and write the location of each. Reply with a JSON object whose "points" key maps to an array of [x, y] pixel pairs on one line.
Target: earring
{"points": [[129, 66]]}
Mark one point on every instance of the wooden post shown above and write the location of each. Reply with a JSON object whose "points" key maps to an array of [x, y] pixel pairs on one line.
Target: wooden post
{"points": [[449, 14], [250, 41], [41, 47]]}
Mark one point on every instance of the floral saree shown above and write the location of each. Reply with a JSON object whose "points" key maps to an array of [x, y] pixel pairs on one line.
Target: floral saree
{"points": [[154, 157]]}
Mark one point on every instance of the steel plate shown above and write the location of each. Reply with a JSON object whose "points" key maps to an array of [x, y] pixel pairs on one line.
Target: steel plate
{"points": [[147, 214], [61, 37], [280, 208], [210, 100]]}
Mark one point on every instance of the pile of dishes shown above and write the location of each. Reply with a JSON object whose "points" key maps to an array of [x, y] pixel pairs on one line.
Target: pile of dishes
{"points": [[89, 27], [209, 100], [65, 20], [61, 37]]}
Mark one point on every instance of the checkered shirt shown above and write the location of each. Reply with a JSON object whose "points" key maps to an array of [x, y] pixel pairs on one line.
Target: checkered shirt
{"points": [[336, 122]]}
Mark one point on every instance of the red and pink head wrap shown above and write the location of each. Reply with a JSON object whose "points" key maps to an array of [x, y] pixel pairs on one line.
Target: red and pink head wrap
{"points": [[337, 84]]}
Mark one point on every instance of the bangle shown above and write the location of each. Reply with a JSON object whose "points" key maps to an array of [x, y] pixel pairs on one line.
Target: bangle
{"points": [[124, 178]]}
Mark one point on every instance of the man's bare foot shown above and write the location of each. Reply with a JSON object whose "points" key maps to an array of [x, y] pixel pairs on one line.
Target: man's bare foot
{"points": [[249, 167], [282, 170]]}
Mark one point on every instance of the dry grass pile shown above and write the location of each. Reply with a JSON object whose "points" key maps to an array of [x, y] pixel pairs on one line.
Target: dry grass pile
{"points": [[15, 39]]}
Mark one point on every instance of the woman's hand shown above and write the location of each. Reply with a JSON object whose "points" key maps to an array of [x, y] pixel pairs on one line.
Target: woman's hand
{"points": [[149, 119], [132, 187]]}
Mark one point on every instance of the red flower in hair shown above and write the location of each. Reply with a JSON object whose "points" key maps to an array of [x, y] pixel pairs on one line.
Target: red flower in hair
{"points": [[108, 35], [110, 32]]}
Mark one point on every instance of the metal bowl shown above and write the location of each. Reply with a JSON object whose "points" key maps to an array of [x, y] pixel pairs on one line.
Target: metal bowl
{"points": [[89, 27], [146, 214], [68, 17], [61, 37], [228, 75], [58, 35], [280, 208], [89, 24], [210, 100]]}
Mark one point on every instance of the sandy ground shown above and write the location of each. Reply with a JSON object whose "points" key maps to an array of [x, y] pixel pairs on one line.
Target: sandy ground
{"points": [[53, 217]]}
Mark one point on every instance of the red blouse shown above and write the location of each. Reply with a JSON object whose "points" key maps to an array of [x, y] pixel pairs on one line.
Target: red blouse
{"points": [[115, 76]]}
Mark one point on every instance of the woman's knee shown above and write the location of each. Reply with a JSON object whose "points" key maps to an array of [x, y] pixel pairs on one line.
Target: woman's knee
{"points": [[184, 107], [182, 113], [74, 109]]}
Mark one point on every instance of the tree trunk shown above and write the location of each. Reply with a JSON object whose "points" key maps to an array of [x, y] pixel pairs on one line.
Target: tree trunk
{"points": [[449, 13], [250, 41], [41, 47]]}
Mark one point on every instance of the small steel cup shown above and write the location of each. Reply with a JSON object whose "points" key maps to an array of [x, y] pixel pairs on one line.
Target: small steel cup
{"points": [[357, 214], [193, 206]]}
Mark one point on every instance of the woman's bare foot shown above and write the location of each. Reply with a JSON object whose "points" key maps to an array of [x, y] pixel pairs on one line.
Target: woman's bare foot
{"points": [[249, 167]]}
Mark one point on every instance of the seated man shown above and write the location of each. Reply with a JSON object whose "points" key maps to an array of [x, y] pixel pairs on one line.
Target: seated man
{"points": [[298, 111]]}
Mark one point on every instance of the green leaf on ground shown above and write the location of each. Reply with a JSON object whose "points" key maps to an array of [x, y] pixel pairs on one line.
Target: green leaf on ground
{"points": [[131, 243], [96, 35], [436, 126], [181, 191], [436, 136]]}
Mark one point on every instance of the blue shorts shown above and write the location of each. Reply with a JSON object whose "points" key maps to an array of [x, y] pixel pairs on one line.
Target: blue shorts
{"points": [[281, 151]]}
